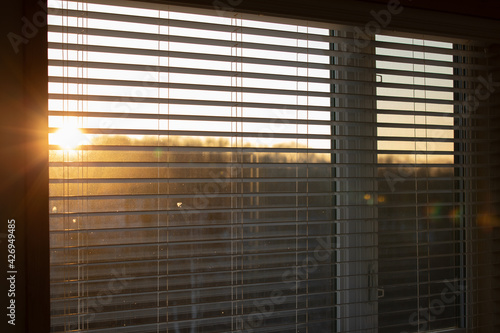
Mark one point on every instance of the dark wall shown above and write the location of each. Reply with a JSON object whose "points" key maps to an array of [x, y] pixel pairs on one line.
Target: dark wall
{"points": [[12, 181], [479, 8], [428, 19], [23, 165]]}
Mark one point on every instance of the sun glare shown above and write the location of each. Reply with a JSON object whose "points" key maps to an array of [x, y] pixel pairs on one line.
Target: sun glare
{"points": [[68, 137]]}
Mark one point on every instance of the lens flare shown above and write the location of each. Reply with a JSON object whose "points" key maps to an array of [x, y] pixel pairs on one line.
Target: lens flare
{"points": [[68, 137], [434, 210], [455, 214], [488, 221]]}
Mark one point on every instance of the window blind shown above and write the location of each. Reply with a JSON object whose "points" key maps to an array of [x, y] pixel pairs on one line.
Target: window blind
{"points": [[425, 193], [200, 197], [226, 172], [431, 200]]}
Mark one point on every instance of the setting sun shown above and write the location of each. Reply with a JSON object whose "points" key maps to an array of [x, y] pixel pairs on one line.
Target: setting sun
{"points": [[68, 137]]}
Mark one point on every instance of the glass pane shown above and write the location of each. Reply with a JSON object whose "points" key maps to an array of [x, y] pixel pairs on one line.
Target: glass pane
{"points": [[419, 237]]}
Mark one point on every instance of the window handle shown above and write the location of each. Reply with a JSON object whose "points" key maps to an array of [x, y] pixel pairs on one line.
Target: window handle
{"points": [[374, 292], [380, 293]]}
